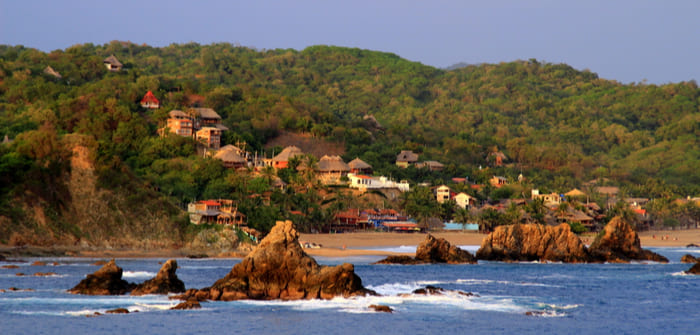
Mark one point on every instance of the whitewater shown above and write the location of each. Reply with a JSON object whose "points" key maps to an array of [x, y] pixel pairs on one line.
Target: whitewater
{"points": [[523, 298]]}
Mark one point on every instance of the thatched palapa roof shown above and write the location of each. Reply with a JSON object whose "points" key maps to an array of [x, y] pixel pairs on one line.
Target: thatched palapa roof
{"points": [[228, 155], [287, 153], [113, 60], [178, 114], [358, 164], [407, 156], [204, 113], [332, 163]]}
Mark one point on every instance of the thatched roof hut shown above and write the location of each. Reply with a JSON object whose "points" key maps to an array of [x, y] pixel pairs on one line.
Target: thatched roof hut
{"points": [[359, 166], [230, 158], [331, 164]]}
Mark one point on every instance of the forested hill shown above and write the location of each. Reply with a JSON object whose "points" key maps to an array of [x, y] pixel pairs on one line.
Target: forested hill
{"points": [[557, 125]]}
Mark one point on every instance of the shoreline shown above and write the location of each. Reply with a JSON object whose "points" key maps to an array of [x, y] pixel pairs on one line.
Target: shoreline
{"points": [[335, 245]]}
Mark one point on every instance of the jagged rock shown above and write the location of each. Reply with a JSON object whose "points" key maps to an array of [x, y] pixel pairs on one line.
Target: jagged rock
{"points": [[11, 266], [399, 259], [430, 290], [533, 242], [619, 243], [118, 311], [433, 250], [189, 304], [692, 245], [438, 250], [381, 308], [38, 263], [280, 269], [688, 258], [166, 281], [694, 270], [105, 281]]}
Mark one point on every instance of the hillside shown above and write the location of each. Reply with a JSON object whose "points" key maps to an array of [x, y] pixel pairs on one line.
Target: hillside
{"points": [[558, 126]]}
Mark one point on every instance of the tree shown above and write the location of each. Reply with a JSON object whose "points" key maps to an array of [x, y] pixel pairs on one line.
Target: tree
{"points": [[537, 210]]}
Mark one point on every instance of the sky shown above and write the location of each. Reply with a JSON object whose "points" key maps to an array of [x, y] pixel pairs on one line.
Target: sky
{"points": [[656, 42]]}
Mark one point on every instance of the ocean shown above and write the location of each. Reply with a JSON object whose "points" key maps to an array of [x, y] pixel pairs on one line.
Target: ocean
{"points": [[522, 298]]}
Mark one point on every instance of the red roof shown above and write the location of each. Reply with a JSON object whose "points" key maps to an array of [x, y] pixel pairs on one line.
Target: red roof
{"points": [[149, 98], [209, 202]]}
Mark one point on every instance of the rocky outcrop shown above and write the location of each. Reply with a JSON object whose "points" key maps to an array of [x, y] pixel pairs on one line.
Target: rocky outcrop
{"points": [[189, 304], [381, 308], [433, 250], [533, 242], [694, 270], [166, 281], [280, 269], [105, 281], [688, 258], [619, 243], [438, 250]]}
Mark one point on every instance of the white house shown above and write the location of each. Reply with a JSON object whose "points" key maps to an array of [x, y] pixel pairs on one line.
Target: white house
{"points": [[464, 200], [366, 182]]}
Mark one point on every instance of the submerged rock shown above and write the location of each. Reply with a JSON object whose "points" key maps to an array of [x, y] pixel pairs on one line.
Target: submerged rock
{"points": [[105, 281], [533, 242], [189, 304], [381, 308], [118, 311], [280, 269], [619, 243], [694, 270], [688, 258], [166, 281], [433, 250]]}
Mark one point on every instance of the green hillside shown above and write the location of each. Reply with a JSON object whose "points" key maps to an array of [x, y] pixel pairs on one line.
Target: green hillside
{"points": [[558, 126]]}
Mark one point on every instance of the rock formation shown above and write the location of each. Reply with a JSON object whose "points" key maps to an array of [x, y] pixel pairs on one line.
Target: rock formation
{"points": [[105, 281], [533, 242], [438, 250], [189, 304], [619, 243], [688, 258], [280, 269], [166, 281], [694, 270], [381, 308], [433, 250]]}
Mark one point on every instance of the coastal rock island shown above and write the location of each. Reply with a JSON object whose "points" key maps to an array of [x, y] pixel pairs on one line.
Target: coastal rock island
{"points": [[619, 243], [433, 250], [533, 242], [105, 281], [280, 269], [166, 281]]}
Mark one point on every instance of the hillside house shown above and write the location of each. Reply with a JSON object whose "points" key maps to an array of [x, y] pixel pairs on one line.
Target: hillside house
{"points": [[364, 182], [281, 160], [210, 137], [350, 220], [575, 193], [215, 211], [150, 101], [406, 158], [206, 117], [430, 165], [180, 123], [443, 194], [113, 64], [358, 166], [548, 199], [331, 169], [497, 181], [497, 158], [231, 158], [464, 200]]}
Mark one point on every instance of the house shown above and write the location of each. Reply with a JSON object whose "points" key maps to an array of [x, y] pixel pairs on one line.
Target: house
{"points": [[364, 182], [210, 137], [464, 200], [575, 193], [231, 158], [610, 191], [406, 158], [331, 168], [206, 117], [402, 227], [497, 181], [358, 166], [49, 71], [430, 165], [113, 64], [215, 211], [350, 220], [548, 199], [443, 194], [281, 161], [149, 101], [180, 123], [497, 158]]}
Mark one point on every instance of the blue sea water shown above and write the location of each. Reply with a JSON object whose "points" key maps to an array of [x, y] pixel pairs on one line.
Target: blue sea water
{"points": [[640, 298]]}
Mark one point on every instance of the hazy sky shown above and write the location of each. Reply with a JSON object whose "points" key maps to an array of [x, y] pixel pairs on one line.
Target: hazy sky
{"points": [[626, 40]]}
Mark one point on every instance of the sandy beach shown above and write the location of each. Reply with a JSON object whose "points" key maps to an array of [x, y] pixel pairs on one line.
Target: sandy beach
{"points": [[343, 245], [354, 244]]}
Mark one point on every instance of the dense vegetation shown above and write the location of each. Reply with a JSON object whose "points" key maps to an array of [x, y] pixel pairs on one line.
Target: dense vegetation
{"points": [[558, 126]]}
